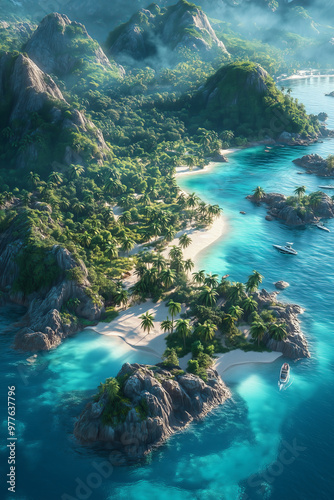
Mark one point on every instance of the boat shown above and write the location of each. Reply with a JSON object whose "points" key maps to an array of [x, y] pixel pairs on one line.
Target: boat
{"points": [[330, 186], [286, 249], [284, 376], [321, 226]]}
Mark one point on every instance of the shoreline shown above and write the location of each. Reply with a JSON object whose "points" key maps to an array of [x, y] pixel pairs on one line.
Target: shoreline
{"points": [[303, 77], [127, 325]]}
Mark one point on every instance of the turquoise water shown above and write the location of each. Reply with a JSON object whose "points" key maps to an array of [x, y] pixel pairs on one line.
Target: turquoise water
{"points": [[262, 444]]}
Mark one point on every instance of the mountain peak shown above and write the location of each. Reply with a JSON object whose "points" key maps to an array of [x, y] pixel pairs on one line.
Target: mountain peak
{"points": [[58, 43], [152, 30]]}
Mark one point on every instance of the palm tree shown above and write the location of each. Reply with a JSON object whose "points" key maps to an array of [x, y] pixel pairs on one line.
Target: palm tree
{"points": [[168, 277], [227, 135], [111, 250], [192, 200], [169, 233], [236, 292], [236, 311], [175, 253], [75, 171], [207, 296], [145, 200], [183, 329], [56, 177], [249, 305], [125, 218], [33, 178], [258, 193], [229, 320], [127, 244], [278, 331], [159, 261], [188, 265], [206, 330], [300, 191], [177, 264], [121, 297], [211, 280], [185, 241], [167, 325], [253, 281], [189, 161], [257, 330], [147, 323], [85, 239], [174, 308], [199, 277]]}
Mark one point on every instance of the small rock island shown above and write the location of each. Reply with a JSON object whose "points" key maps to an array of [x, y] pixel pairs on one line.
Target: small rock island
{"points": [[315, 164], [297, 210], [144, 405]]}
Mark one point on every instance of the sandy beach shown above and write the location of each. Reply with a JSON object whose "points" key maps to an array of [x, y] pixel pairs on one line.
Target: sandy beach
{"points": [[127, 324]]}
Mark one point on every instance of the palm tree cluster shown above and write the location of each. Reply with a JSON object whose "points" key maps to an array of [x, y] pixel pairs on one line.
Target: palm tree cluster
{"points": [[158, 274]]}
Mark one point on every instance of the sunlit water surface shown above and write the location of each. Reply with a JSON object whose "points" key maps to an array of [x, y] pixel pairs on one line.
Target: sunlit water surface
{"points": [[262, 444]]}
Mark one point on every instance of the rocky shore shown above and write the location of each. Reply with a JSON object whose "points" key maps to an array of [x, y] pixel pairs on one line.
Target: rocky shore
{"points": [[295, 345], [314, 164], [43, 326], [295, 214], [156, 403]]}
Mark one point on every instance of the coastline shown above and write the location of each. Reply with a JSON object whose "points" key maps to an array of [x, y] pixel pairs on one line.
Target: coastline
{"points": [[303, 77], [127, 325]]}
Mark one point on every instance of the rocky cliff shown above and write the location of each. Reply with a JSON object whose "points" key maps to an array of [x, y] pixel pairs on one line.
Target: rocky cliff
{"points": [[152, 406], [43, 325], [154, 32], [296, 213], [59, 46], [30, 102], [295, 345]]}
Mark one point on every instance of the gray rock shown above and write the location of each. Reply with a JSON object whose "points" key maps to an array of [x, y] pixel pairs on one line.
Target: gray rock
{"points": [[50, 46], [172, 403], [295, 345], [281, 285]]}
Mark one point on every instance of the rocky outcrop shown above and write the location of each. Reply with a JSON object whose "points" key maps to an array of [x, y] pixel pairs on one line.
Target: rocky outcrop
{"points": [[170, 402], [31, 89], [153, 31], [295, 345], [52, 46], [28, 90], [43, 326], [293, 139], [314, 164], [295, 215], [281, 285]]}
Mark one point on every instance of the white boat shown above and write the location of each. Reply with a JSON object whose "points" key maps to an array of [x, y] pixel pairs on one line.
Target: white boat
{"points": [[284, 376], [330, 186], [286, 249], [321, 226]]}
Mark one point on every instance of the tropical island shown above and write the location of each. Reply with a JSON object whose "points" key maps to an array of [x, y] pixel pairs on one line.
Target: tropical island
{"points": [[297, 210], [94, 228]]}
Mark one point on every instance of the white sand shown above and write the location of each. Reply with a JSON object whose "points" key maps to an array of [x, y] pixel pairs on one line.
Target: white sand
{"points": [[239, 357], [184, 170], [127, 324]]}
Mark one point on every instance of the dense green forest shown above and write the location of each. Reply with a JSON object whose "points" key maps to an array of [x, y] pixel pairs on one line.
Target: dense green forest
{"points": [[88, 158]]}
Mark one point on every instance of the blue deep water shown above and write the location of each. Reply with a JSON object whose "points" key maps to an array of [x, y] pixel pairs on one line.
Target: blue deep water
{"points": [[262, 444]]}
